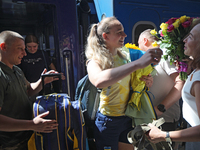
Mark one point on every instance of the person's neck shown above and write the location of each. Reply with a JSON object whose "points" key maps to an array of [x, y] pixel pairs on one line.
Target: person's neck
{"points": [[6, 63], [113, 51]]}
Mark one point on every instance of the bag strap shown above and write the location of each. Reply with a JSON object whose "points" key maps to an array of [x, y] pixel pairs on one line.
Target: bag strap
{"points": [[137, 136], [96, 104], [83, 87]]}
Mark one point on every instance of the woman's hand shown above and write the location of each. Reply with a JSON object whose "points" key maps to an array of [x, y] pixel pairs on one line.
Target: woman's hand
{"points": [[155, 135], [152, 56], [62, 76], [189, 67]]}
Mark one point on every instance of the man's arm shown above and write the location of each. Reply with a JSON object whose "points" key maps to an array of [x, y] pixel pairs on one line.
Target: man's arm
{"points": [[37, 124], [174, 95], [36, 87]]}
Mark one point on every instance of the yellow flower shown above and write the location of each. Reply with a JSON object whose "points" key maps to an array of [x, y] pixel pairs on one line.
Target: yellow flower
{"points": [[164, 26], [132, 46], [127, 45], [155, 44], [153, 32], [183, 18], [176, 23]]}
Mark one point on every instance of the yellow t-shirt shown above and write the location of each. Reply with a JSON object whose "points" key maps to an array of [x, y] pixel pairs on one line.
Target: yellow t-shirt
{"points": [[114, 99]]}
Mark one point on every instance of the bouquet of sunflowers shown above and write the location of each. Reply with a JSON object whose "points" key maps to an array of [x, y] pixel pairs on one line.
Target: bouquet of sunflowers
{"points": [[133, 51], [172, 34]]}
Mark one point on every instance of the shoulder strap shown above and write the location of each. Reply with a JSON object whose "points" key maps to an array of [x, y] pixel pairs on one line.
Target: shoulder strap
{"points": [[96, 104], [83, 87]]}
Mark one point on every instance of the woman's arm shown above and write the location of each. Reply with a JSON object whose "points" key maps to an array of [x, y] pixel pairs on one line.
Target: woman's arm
{"points": [[52, 67], [195, 91], [191, 134], [104, 78]]}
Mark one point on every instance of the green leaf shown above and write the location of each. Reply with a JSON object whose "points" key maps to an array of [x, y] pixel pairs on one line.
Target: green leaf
{"points": [[165, 57]]}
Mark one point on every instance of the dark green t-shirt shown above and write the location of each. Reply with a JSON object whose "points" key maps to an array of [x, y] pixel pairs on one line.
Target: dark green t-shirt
{"points": [[14, 102]]}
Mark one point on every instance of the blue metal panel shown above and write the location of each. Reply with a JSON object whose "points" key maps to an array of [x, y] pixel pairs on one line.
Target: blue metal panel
{"points": [[66, 36], [130, 12], [67, 26], [104, 7]]}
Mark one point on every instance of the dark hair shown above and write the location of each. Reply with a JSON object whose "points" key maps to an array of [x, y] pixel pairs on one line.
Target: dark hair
{"points": [[31, 38], [195, 21], [196, 62]]}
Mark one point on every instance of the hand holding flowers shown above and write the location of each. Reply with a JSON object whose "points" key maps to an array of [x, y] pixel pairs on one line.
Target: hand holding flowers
{"points": [[172, 34]]}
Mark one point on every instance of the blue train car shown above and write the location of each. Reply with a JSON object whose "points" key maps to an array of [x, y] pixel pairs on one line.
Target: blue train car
{"points": [[138, 15], [62, 25]]}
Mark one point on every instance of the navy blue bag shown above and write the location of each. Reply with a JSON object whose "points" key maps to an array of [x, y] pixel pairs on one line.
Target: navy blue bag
{"points": [[70, 133], [88, 95]]}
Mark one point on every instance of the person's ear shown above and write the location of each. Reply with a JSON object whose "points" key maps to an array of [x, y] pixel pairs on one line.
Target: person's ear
{"points": [[3, 46], [104, 35], [145, 41]]}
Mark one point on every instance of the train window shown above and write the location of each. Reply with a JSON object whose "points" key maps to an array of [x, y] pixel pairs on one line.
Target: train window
{"points": [[139, 27]]}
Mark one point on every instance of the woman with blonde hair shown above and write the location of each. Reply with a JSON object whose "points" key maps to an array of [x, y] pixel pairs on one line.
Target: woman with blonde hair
{"points": [[109, 70]]}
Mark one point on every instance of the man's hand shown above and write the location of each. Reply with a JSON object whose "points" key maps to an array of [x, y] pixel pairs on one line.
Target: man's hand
{"points": [[148, 80], [44, 125], [49, 79]]}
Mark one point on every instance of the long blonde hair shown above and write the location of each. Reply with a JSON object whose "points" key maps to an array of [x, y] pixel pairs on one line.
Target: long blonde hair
{"points": [[96, 48]]}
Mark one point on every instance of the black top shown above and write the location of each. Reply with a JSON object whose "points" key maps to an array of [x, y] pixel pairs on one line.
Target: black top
{"points": [[33, 64]]}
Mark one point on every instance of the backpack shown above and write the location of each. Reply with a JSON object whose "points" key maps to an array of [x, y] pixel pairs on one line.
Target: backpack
{"points": [[88, 95]]}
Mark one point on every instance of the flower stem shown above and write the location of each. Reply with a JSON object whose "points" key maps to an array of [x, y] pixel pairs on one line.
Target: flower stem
{"points": [[174, 33]]}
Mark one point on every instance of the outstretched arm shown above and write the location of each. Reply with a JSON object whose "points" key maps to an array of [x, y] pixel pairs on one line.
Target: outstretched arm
{"points": [[37, 124], [104, 78], [34, 88], [191, 134], [174, 95]]}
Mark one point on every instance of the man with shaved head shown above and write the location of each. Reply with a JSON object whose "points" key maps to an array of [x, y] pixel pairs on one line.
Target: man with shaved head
{"points": [[166, 88], [16, 123]]}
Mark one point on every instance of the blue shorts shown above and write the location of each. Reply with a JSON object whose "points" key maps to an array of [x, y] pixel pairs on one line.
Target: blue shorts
{"points": [[108, 131]]}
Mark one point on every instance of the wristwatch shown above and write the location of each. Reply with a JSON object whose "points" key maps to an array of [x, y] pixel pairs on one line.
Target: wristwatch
{"points": [[161, 108], [167, 138]]}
